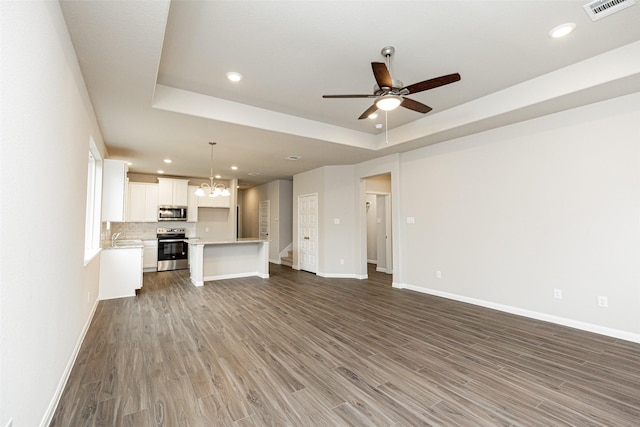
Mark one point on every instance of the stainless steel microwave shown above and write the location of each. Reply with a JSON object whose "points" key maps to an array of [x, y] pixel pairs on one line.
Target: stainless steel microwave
{"points": [[172, 213]]}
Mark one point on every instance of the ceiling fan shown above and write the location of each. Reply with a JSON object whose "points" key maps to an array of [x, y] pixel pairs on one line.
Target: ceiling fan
{"points": [[390, 93]]}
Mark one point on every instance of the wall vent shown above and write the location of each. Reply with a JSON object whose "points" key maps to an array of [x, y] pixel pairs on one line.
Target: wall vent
{"points": [[599, 9]]}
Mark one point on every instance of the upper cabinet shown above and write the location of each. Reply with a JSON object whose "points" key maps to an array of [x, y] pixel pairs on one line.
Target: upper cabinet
{"points": [[192, 204], [114, 185], [172, 192], [142, 202]]}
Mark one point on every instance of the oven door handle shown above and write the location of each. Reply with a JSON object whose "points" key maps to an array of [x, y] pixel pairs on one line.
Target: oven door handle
{"points": [[170, 240]]}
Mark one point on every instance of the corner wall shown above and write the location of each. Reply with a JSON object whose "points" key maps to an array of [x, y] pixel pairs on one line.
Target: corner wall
{"points": [[47, 294]]}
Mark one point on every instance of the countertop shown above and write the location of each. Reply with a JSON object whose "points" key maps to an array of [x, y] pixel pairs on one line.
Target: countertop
{"points": [[121, 244], [224, 242]]}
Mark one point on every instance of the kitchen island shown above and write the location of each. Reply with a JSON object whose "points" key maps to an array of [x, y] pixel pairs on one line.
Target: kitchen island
{"points": [[217, 260]]}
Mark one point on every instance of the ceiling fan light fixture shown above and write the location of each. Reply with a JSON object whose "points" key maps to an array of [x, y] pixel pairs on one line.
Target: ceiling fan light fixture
{"points": [[389, 102]]}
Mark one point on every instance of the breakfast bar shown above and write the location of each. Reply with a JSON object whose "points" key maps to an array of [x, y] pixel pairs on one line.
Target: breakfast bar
{"points": [[217, 260]]}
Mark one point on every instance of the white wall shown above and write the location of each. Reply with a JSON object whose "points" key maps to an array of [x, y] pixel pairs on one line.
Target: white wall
{"points": [[510, 214], [215, 224], [339, 204], [47, 293]]}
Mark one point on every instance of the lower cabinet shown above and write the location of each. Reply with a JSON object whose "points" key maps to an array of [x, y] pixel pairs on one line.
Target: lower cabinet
{"points": [[150, 255], [120, 272]]}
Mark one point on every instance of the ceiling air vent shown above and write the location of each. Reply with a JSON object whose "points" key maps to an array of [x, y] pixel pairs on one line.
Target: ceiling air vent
{"points": [[599, 9]]}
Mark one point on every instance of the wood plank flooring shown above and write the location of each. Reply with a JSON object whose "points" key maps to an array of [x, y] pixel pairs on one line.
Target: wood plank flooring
{"points": [[300, 350]]}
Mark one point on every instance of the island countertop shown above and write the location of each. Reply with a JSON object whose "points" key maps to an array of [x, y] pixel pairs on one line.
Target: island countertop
{"points": [[224, 242]]}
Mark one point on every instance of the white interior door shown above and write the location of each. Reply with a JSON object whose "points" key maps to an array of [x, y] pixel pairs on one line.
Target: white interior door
{"points": [[264, 220], [308, 233]]}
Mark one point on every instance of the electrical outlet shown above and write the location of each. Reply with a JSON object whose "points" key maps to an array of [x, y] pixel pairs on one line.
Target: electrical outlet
{"points": [[603, 302], [438, 274], [341, 261], [557, 293]]}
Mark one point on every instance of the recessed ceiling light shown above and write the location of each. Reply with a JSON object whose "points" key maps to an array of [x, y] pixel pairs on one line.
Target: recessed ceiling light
{"points": [[167, 161], [233, 76], [293, 157], [379, 125], [218, 177], [562, 30], [160, 171], [373, 116], [235, 168], [129, 163], [253, 173]]}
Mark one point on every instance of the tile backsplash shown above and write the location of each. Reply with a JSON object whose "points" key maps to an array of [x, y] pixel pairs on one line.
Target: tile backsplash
{"points": [[144, 230]]}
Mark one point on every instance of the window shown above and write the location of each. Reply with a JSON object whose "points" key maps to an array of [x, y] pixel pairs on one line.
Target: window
{"points": [[94, 197]]}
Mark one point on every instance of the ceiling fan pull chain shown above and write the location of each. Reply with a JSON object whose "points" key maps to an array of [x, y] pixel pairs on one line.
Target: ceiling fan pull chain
{"points": [[386, 128]]}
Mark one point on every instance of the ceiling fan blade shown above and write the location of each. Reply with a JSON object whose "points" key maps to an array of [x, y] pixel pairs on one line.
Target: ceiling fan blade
{"points": [[415, 106], [433, 83], [370, 110], [381, 73], [349, 96]]}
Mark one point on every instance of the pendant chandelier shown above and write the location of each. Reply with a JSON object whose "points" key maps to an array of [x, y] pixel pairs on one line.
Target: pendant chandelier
{"points": [[214, 189]]}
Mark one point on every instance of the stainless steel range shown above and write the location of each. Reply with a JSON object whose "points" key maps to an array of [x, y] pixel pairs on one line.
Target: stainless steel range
{"points": [[173, 251]]}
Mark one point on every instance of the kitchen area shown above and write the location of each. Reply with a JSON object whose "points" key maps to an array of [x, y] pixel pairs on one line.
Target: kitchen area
{"points": [[152, 226]]}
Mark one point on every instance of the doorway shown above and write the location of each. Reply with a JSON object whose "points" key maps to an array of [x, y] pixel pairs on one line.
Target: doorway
{"points": [[378, 230]]}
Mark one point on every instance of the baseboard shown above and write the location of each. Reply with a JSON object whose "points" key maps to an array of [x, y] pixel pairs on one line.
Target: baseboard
{"points": [[234, 276], [372, 261], [53, 405], [342, 276], [381, 269], [576, 324], [275, 261]]}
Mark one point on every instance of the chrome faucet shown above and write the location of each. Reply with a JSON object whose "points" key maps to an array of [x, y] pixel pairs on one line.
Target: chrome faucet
{"points": [[115, 237]]}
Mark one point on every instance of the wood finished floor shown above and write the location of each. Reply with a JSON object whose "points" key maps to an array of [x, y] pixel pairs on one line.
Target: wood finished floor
{"points": [[300, 350]]}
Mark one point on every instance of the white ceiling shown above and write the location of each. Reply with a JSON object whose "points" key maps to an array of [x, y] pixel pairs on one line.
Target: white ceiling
{"points": [[155, 71]]}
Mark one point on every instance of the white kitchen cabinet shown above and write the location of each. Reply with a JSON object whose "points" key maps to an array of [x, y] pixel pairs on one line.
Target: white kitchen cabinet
{"points": [[142, 202], [214, 202], [114, 190], [192, 204], [150, 255], [120, 272], [172, 192]]}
